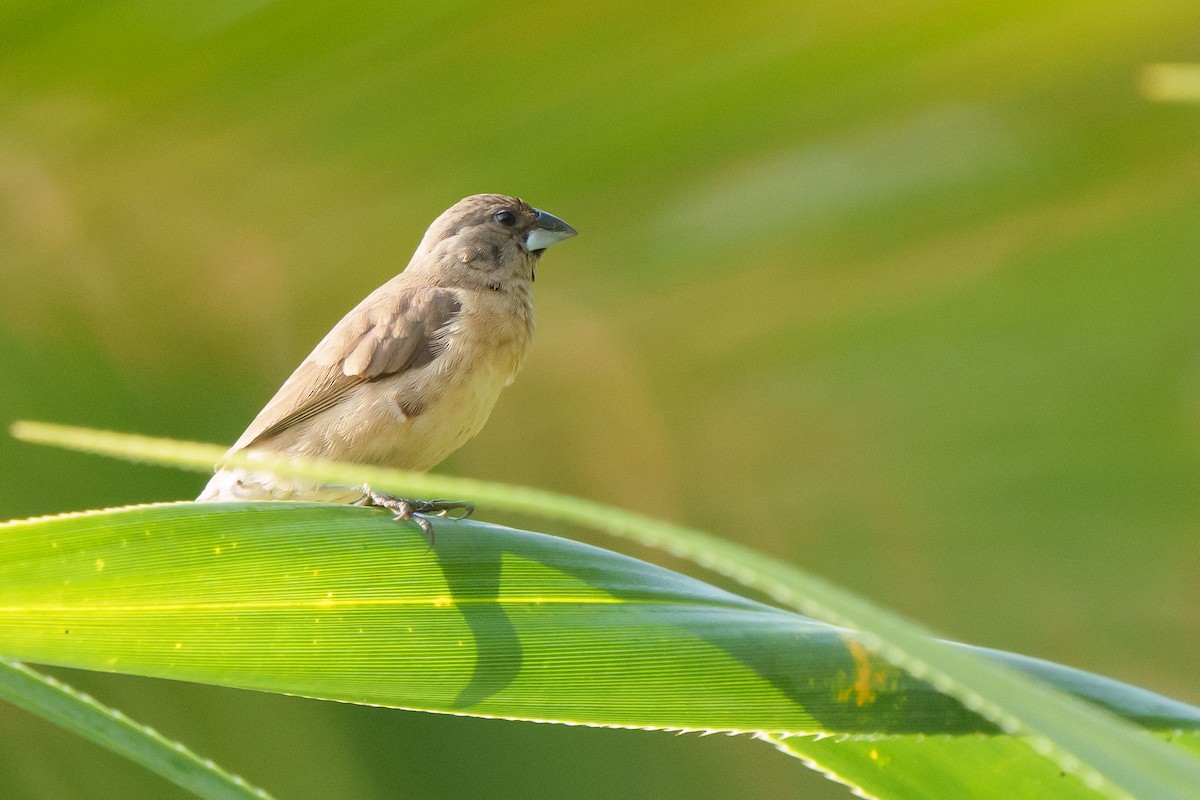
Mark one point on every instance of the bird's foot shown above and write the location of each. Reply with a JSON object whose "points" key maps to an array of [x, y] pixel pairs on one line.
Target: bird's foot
{"points": [[406, 509]]}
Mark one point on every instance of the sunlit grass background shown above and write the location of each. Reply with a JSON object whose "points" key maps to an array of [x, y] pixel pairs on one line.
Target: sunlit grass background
{"points": [[907, 294]]}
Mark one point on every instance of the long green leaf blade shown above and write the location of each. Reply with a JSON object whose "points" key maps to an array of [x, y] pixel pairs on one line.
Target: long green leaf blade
{"points": [[55, 701], [1113, 758], [343, 603], [923, 768]]}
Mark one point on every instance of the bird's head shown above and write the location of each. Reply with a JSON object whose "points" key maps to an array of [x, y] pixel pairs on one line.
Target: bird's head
{"points": [[489, 240]]}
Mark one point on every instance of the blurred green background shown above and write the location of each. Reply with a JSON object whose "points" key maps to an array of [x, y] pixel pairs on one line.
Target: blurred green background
{"points": [[904, 293]]}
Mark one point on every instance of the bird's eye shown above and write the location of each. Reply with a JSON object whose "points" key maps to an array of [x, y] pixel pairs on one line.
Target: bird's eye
{"points": [[505, 218]]}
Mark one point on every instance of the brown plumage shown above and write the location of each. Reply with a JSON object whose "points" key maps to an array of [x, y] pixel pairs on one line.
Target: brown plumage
{"points": [[413, 371]]}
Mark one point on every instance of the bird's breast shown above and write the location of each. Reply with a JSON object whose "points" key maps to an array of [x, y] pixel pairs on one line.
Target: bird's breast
{"points": [[448, 401]]}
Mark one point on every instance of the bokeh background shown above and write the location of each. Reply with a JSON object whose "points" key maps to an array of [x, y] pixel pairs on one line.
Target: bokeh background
{"points": [[905, 293]]}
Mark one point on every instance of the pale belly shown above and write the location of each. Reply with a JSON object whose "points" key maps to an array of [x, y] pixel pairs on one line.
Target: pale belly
{"points": [[370, 427]]}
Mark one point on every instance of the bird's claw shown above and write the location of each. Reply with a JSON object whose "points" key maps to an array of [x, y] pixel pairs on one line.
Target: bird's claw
{"points": [[442, 508], [405, 509]]}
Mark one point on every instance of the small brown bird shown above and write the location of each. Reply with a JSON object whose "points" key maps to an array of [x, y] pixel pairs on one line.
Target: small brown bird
{"points": [[413, 371]]}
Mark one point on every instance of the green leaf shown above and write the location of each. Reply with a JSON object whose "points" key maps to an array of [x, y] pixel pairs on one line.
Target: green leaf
{"points": [[77, 712], [343, 603], [1108, 756], [935, 768]]}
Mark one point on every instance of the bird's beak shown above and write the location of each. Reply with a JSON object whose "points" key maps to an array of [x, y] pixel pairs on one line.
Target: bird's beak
{"points": [[547, 230]]}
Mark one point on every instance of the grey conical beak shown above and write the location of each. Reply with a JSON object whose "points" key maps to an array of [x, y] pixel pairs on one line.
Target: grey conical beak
{"points": [[548, 230]]}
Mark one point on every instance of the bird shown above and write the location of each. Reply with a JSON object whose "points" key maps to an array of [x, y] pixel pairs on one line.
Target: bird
{"points": [[413, 371]]}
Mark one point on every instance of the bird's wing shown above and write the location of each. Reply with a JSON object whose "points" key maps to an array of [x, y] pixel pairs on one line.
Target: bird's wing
{"points": [[402, 331]]}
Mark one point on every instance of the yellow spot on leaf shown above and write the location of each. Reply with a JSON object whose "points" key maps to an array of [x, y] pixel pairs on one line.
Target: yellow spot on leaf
{"points": [[179, 645], [99, 565], [217, 549], [441, 601], [867, 678]]}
